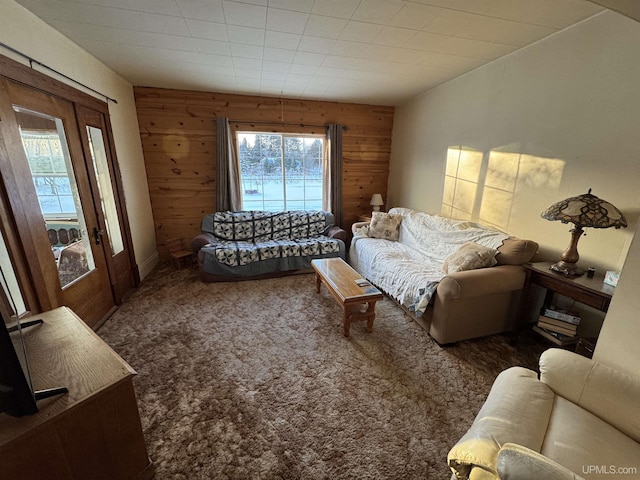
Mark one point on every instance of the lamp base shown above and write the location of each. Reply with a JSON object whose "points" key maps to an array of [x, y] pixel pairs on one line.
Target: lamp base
{"points": [[568, 269]]}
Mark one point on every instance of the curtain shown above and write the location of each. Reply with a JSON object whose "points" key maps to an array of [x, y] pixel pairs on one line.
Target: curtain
{"points": [[332, 172], [228, 194]]}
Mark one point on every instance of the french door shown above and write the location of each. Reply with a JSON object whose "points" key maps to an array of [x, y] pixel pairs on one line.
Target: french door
{"points": [[53, 190]]}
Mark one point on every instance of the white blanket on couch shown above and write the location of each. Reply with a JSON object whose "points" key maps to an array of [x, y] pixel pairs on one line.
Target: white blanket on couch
{"points": [[410, 269]]}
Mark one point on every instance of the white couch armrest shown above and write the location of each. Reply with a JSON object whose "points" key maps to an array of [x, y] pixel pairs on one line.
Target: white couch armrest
{"points": [[516, 462], [602, 390], [517, 410]]}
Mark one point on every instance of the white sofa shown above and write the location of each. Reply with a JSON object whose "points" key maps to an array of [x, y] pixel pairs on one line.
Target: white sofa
{"points": [[451, 306], [579, 420]]}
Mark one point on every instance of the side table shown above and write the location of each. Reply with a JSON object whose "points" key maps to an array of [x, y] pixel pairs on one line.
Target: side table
{"points": [[591, 291]]}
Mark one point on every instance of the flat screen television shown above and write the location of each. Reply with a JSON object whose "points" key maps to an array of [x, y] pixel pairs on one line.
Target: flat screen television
{"points": [[17, 396]]}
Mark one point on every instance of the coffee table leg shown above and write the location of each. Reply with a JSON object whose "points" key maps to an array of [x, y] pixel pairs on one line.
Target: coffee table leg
{"points": [[318, 283], [347, 320], [371, 315]]}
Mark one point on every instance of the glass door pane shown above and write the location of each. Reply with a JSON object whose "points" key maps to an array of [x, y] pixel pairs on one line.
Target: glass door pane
{"points": [[107, 196], [44, 142]]}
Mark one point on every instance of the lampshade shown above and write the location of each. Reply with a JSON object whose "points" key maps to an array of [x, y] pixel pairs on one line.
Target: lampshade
{"points": [[376, 201], [584, 210]]}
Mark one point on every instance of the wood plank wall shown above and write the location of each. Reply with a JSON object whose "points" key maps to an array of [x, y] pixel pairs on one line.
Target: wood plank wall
{"points": [[177, 128]]}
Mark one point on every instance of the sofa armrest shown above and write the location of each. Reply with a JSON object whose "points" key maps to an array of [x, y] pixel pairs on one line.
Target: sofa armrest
{"points": [[201, 240], [480, 282], [516, 462], [357, 225], [337, 233], [604, 391], [517, 410]]}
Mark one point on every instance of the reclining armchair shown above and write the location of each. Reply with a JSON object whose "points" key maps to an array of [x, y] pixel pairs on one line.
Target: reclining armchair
{"points": [[579, 420]]}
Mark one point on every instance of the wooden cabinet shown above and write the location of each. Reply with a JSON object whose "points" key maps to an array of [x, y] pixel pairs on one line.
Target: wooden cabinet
{"points": [[94, 431]]}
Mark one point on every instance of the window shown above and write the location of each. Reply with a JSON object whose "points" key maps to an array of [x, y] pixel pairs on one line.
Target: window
{"points": [[49, 172], [280, 172]]}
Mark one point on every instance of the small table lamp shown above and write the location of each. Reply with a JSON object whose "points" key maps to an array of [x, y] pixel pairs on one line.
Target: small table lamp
{"points": [[585, 210], [376, 201]]}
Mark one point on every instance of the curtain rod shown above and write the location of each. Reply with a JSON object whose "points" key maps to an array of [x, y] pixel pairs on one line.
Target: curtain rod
{"points": [[33, 60], [344, 127]]}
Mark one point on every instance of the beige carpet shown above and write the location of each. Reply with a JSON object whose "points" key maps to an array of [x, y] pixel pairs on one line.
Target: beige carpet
{"points": [[251, 380]]}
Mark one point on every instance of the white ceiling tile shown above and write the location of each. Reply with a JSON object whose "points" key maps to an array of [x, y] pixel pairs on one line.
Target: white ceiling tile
{"points": [[335, 8], [394, 36], [377, 11], [126, 19], [285, 41], [246, 51], [414, 16], [360, 31], [164, 7], [274, 75], [334, 61], [305, 58], [208, 30], [550, 13], [205, 10], [297, 78], [248, 72], [246, 35], [298, 69], [347, 49], [213, 46], [247, 63], [236, 13], [216, 60], [318, 26], [225, 71], [278, 55], [271, 66], [286, 21], [316, 44], [295, 5], [378, 51]]}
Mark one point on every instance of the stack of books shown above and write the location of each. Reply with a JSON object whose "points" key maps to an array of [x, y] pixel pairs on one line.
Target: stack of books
{"points": [[558, 326]]}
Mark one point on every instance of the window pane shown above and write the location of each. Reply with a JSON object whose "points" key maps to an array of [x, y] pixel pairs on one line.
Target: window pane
{"points": [[55, 185], [107, 196], [280, 172]]}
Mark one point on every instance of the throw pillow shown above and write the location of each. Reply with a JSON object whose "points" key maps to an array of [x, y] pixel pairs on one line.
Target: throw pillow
{"points": [[469, 257], [385, 225]]}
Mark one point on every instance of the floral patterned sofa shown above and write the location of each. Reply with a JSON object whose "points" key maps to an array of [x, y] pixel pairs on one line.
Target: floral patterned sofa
{"points": [[255, 244]]}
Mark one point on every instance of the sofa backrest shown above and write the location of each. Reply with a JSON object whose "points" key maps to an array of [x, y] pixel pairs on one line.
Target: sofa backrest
{"points": [[606, 392], [257, 226], [438, 236]]}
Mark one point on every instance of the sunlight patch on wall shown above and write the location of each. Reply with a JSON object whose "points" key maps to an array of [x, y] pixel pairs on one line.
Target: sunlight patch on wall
{"points": [[481, 186]]}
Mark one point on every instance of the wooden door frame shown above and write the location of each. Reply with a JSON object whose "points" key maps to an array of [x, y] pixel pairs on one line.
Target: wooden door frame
{"points": [[35, 291]]}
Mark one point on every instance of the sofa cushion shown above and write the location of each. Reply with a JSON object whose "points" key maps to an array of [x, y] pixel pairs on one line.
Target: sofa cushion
{"points": [[244, 253], [469, 257], [516, 251], [385, 226], [580, 441], [258, 226]]}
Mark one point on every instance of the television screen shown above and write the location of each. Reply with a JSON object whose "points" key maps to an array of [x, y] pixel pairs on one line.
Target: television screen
{"points": [[16, 393]]}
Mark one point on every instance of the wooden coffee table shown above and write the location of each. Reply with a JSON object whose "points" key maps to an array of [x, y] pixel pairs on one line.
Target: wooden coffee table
{"points": [[340, 280]]}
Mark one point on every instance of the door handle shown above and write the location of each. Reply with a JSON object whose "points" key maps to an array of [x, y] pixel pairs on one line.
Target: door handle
{"points": [[97, 234]]}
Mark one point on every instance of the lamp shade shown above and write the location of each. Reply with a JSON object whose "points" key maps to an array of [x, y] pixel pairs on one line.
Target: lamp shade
{"points": [[376, 200], [586, 210]]}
